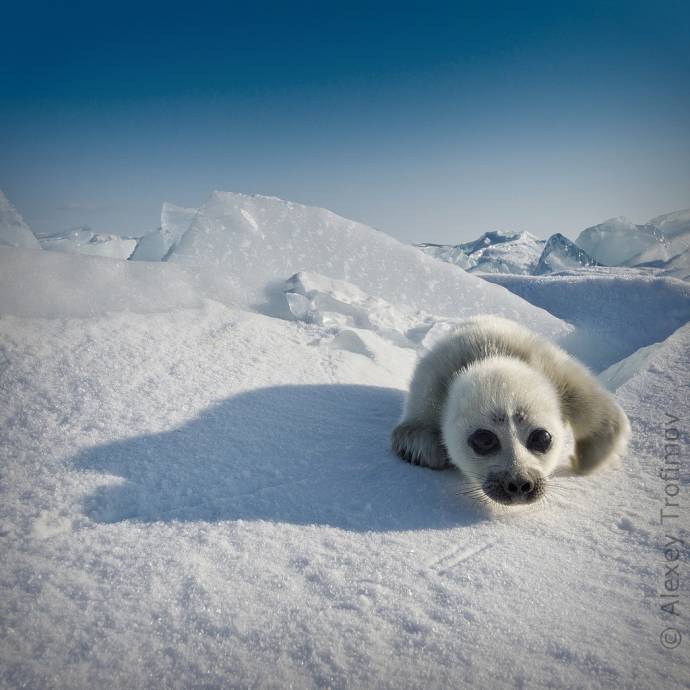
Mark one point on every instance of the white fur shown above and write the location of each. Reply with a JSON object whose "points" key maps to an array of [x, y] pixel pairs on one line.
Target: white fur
{"points": [[494, 374], [509, 398]]}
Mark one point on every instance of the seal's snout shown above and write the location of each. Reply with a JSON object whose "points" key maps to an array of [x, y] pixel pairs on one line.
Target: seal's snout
{"points": [[514, 487]]}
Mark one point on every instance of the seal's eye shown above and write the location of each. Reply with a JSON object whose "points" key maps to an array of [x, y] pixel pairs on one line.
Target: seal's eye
{"points": [[483, 442], [539, 441]]}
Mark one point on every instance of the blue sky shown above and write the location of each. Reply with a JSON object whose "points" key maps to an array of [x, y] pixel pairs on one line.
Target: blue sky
{"points": [[431, 121]]}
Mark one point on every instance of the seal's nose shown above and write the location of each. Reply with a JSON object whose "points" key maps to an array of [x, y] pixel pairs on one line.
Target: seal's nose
{"points": [[521, 486], [518, 486], [512, 487]]}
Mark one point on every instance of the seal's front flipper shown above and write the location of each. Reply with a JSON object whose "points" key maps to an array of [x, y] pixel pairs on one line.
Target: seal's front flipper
{"points": [[420, 445], [606, 441]]}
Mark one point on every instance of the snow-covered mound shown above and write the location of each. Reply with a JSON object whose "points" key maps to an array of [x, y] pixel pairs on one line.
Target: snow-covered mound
{"points": [[261, 241], [14, 232], [83, 240], [512, 253], [621, 372], [619, 242], [205, 497], [616, 310], [675, 257], [662, 243], [673, 224], [519, 254], [676, 267], [560, 254], [52, 284], [175, 221], [313, 298], [493, 252]]}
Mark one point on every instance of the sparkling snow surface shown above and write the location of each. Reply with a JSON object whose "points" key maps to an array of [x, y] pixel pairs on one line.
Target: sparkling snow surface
{"points": [[198, 495], [265, 240]]}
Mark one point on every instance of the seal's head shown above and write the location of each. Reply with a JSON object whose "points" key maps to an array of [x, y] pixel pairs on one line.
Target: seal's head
{"points": [[502, 427]]}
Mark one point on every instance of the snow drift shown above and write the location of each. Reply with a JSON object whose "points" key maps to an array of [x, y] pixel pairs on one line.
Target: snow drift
{"points": [[616, 311], [313, 298], [493, 252], [52, 284], [83, 240], [262, 241]]}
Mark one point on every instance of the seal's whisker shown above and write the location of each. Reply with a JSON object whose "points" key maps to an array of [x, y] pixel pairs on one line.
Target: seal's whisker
{"points": [[469, 492], [560, 472]]}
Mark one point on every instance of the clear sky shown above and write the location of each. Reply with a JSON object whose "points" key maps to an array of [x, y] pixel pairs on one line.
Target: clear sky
{"points": [[431, 121]]}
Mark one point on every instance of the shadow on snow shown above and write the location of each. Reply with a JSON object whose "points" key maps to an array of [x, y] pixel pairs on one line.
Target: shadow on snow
{"points": [[312, 454]]}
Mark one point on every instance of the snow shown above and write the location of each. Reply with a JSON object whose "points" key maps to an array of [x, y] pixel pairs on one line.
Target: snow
{"points": [[662, 244], [616, 311], [313, 298], [621, 372], [493, 252], [14, 232], [52, 285], [677, 266], [175, 221], [262, 241], [674, 260], [512, 253], [196, 494], [84, 240]]}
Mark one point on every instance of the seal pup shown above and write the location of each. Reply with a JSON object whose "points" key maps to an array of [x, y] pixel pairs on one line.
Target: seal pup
{"points": [[500, 403]]}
